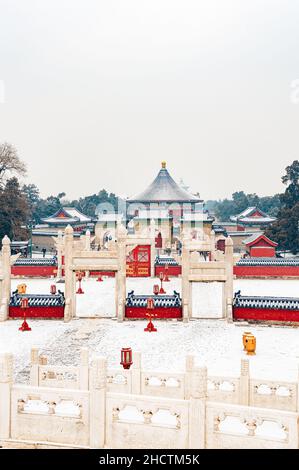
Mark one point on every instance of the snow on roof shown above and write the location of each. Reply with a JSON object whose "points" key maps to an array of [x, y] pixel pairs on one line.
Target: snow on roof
{"points": [[196, 216], [74, 212], [61, 220], [164, 188], [238, 233], [247, 216], [156, 213], [67, 215], [110, 217], [256, 236], [259, 220]]}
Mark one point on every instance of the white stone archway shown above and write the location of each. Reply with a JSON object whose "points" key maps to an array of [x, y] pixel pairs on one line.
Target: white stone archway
{"points": [[218, 269], [6, 261]]}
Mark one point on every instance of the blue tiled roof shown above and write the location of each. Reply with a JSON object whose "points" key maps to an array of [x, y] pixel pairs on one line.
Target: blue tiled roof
{"points": [[268, 262], [277, 303], [164, 301], [38, 300], [36, 262], [164, 188], [163, 261]]}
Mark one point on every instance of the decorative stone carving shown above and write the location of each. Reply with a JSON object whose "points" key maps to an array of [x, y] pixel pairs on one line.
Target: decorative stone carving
{"points": [[251, 425], [20, 405], [99, 372], [6, 367], [147, 414], [115, 414]]}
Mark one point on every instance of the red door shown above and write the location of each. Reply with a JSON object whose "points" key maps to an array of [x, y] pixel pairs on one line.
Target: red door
{"points": [[221, 245], [158, 241], [139, 261]]}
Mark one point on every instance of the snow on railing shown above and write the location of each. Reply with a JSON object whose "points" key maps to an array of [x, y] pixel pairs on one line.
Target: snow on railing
{"points": [[242, 390], [246, 427]]}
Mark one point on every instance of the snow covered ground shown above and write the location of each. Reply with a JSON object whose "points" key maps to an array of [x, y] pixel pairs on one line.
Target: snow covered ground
{"points": [[271, 287], [214, 342], [274, 287], [98, 299]]}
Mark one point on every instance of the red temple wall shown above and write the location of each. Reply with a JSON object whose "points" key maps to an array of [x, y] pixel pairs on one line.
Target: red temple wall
{"points": [[266, 271], [140, 312], [262, 252], [37, 312], [171, 271], [240, 313], [34, 271]]}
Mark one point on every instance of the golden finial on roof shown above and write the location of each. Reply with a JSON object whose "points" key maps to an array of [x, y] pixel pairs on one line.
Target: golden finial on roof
{"points": [[163, 164]]}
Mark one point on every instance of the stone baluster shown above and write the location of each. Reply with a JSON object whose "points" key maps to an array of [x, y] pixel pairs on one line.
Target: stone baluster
{"points": [[69, 274], [229, 290], [189, 365], [136, 373], [34, 367], [6, 381], [153, 244], [84, 369], [59, 248], [6, 282], [244, 383], [97, 404], [185, 279], [198, 398], [121, 274]]}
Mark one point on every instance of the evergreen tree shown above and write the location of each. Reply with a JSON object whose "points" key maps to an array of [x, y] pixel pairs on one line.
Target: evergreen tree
{"points": [[285, 231], [14, 211]]}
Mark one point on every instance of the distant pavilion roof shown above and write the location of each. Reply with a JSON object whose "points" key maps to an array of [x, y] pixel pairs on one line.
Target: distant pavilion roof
{"points": [[164, 189], [253, 215], [67, 215], [255, 237]]}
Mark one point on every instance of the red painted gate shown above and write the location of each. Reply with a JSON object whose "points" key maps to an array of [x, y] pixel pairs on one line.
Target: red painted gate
{"points": [[139, 261]]}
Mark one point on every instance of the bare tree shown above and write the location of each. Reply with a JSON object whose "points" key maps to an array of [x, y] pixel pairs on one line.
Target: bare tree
{"points": [[10, 162]]}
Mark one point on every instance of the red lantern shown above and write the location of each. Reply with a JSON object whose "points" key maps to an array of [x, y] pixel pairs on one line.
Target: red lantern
{"points": [[80, 276], [24, 306], [156, 289], [53, 289], [161, 276], [166, 278], [126, 358], [150, 326], [24, 302]]}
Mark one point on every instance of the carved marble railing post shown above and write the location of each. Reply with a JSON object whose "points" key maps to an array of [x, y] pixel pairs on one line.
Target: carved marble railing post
{"points": [[121, 275], [187, 309], [97, 403], [6, 282], [87, 247], [59, 247], [84, 369], [87, 240], [69, 275], [153, 245], [229, 290], [244, 382], [188, 375], [197, 422], [213, 245], [6, 379], [34, 367], [136, 373]]}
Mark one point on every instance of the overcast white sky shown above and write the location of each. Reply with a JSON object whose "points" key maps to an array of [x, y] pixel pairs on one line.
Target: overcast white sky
{"points": [[98, 92]]}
